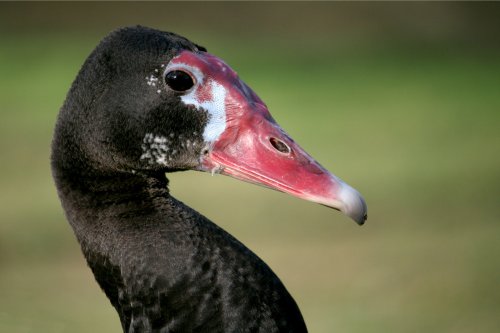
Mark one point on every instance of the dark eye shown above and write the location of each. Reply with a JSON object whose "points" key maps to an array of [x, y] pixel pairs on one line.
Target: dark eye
{"points": [[179, 80]]}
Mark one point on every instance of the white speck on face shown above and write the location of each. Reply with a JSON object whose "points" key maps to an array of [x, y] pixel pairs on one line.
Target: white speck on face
{"points": [[155, 149], [159, 139], [161, 160], [152, 80]]}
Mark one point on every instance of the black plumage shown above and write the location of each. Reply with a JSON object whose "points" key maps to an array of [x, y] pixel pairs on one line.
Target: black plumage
{"points": [[164, 267]]}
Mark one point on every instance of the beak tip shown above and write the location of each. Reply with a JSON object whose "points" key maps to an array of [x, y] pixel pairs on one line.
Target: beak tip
{"points": [[353, 204], [362, 221]]}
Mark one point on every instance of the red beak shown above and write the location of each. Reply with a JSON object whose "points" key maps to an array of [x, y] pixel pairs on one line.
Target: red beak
{"points": [[246, 143], [255, 149]]}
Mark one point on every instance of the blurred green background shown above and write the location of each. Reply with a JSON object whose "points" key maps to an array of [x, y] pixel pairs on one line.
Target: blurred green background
{"points": [[401, 100]]}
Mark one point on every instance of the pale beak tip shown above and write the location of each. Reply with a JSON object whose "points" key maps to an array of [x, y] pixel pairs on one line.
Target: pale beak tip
{"points": [[353, 204]]}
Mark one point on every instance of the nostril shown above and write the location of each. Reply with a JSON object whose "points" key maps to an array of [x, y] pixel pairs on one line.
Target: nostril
{"points": [[280, 146]]}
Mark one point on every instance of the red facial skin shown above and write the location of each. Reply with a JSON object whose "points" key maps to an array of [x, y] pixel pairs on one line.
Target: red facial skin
{"points": [[253, 147]]}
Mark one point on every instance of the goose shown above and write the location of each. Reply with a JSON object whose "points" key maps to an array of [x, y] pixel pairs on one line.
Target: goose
{"points": [[146, 103]]}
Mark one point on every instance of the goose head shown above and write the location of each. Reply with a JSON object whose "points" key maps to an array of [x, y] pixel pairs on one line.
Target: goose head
{"points": [[158, 103]]}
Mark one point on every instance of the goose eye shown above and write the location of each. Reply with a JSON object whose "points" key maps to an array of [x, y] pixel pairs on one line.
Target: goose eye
{"points": [[179, 80]]}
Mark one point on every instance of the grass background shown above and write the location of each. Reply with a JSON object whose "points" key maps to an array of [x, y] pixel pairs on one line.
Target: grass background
{"points": [[401, 100]]}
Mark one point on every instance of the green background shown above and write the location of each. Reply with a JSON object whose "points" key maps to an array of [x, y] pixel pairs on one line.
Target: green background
{"points": [[401, 100]]}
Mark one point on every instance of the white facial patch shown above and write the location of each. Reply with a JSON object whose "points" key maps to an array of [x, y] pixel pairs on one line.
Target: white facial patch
{"points": [[206, 94], [216, 108]]}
